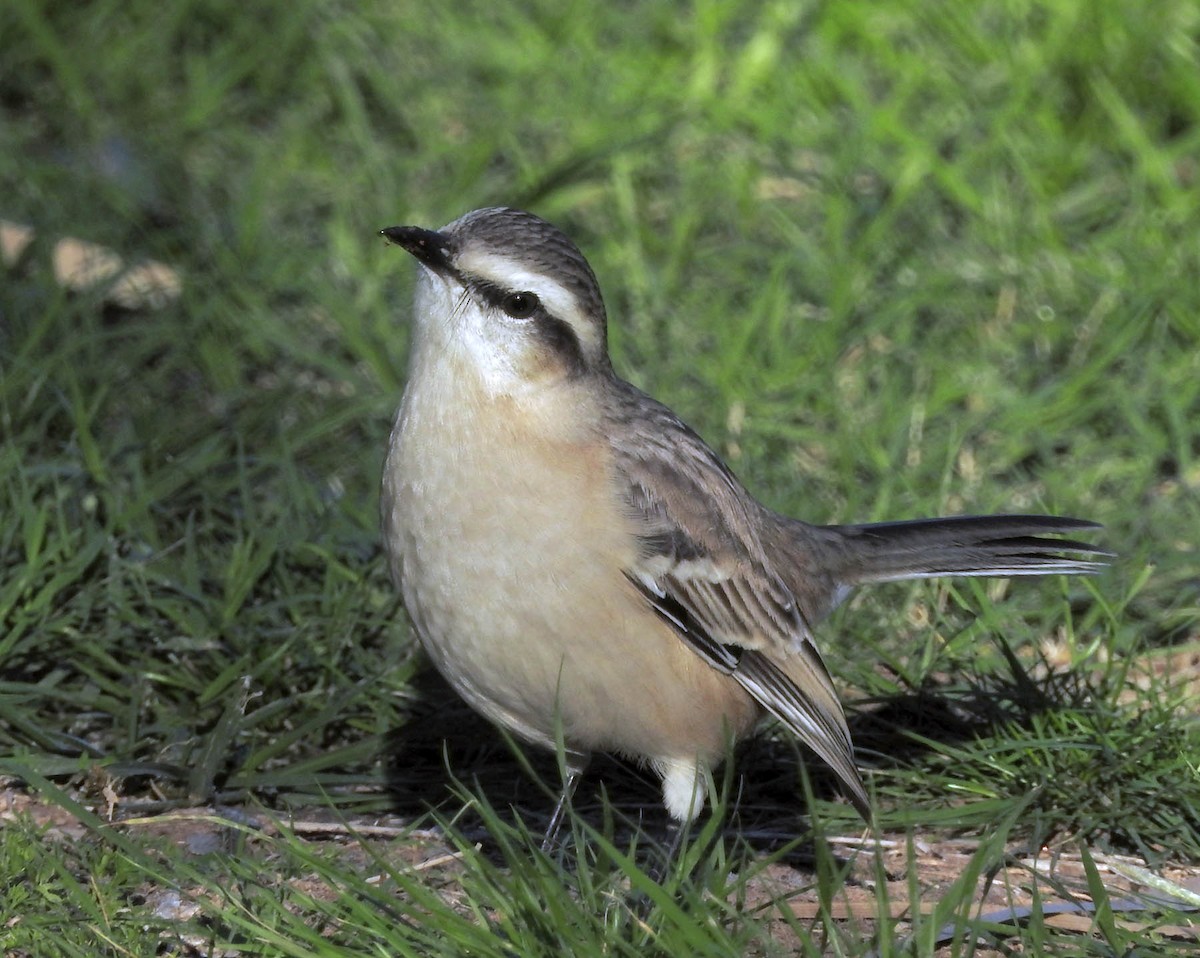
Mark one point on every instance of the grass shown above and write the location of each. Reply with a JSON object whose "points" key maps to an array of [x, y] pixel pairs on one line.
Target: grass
{"points": [[891, 259]]}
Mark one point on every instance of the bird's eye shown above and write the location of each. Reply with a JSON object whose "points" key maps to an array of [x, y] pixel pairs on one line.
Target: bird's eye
{"points": [[519, 305]]}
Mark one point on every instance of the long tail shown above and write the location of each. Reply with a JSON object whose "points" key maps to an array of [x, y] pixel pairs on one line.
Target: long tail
{"points": [[962, 546]]}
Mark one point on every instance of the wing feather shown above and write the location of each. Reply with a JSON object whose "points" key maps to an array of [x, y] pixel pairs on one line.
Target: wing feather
{"points": [[702, 569]]}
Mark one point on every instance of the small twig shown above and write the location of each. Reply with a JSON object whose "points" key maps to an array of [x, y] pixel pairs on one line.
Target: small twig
{"points": [[343, 828], [862, 841], [442, 860], [1176, 893]]}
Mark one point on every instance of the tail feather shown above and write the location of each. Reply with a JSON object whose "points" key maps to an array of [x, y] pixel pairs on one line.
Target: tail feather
{"points": [[964, 546]]}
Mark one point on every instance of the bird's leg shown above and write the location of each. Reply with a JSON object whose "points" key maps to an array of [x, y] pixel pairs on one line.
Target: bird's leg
{"points": [[675, 835], [574, 765], [670, 848]]}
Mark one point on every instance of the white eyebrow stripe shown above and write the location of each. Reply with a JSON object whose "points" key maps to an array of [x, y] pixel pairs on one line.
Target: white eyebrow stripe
{"points": [[510, 274]]}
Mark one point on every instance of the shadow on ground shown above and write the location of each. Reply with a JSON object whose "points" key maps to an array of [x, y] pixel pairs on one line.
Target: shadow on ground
{"points": [[446, 746]]}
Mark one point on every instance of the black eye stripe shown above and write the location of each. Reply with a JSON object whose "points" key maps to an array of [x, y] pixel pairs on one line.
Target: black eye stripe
{"points": [[554, 334], [561, 340]]}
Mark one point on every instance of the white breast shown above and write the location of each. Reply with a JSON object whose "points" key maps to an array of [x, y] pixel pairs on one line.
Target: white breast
{"points": [[509, 544], [495, 536]]}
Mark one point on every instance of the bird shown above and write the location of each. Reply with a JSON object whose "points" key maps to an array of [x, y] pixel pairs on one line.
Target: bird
{"points": [[588, 573]]}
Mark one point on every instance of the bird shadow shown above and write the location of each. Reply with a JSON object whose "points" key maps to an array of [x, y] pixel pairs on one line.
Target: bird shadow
{"points": [[446, 751]]}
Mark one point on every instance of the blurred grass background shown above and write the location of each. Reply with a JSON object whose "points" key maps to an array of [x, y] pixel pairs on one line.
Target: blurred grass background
{"points": [[892, 259]]}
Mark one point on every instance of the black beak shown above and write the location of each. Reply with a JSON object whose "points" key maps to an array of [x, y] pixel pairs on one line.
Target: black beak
{"points": [[429, 246]]}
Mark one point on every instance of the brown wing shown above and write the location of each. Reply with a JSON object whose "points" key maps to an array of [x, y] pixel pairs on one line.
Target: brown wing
{"points": [[702, 568]]}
